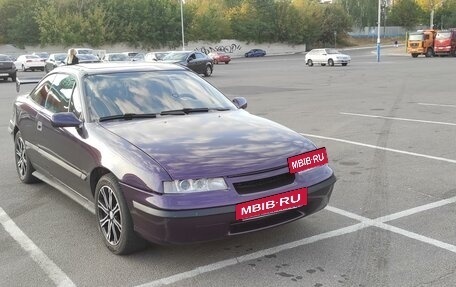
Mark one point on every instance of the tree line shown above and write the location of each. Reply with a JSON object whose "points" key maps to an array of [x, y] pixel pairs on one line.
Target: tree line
{"points": [[157, 23]]}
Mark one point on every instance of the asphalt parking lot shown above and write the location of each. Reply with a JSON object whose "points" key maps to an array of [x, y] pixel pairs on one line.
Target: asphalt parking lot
{"points": [[389, 129]]}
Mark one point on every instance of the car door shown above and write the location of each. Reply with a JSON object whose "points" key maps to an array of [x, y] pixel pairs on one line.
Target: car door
{"points": [[192, 62], [69, 157], [28, 121], [202, 61]]}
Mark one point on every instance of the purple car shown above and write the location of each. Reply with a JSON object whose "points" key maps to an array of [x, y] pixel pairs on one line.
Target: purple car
{"points": [[158, 154]]}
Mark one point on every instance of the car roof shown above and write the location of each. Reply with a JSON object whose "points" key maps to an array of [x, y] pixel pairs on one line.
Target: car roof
{"points": [[121, 67]]}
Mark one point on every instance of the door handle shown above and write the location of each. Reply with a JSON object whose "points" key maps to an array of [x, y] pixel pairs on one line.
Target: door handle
{"points": [[39, 126]]}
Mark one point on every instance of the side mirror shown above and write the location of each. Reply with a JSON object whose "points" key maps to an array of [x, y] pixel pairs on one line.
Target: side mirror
{"points": [[65, 119], [240, 102]]}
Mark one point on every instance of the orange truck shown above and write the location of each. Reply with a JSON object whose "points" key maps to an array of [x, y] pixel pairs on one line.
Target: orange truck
{"points": [[421, 42], [445, 42]]}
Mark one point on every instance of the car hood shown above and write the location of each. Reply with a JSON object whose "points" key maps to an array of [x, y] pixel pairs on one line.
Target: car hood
{"points": [[212, 144]]}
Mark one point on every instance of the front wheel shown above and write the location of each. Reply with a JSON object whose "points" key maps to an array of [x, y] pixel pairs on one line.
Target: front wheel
{"points": [[344, 64], [114, 219], [208, 72], [330, 62], [310, 63], [429, 53], [414, 55], [24, 166]]}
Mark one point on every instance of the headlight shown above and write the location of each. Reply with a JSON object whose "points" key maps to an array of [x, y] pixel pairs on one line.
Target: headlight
{"points": [[194, 185]]}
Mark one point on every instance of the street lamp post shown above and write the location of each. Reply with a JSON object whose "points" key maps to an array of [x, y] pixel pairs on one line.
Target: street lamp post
{"points": [[182, 24], [378, 30]]}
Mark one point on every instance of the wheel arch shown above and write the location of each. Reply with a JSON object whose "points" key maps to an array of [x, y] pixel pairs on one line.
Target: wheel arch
{"points": [[95, 176]]}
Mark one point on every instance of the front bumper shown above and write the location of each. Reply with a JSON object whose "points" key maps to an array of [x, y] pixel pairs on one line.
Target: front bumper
{"points": [[198, 225]]}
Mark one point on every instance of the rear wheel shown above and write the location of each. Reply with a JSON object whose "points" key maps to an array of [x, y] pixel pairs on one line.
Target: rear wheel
{"points": [[344, 64], [227, 62], [208, 72], [114, 219], [330, 62], [310, 63], [24, 167]]}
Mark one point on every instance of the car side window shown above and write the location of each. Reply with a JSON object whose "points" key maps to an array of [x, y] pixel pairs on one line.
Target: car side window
{"points": [[59, 96], [40, 93], [200, 56]]}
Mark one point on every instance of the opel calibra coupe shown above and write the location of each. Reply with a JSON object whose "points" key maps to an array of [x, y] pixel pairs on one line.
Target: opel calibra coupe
{"points": [[158, 154]]}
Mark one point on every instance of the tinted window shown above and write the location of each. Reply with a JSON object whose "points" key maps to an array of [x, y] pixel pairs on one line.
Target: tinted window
{"points": [[39, 94], [60, 94], [4, 58], [200, 56]]}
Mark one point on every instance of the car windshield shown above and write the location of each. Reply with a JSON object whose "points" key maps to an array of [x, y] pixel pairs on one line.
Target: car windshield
{"points": [[150, 92], [4, 58], [332, 51], [60, 57], [118, 57], [84, 51], [416, 37], [87, 57], [176, 56], [42, 54], [443, 35]]}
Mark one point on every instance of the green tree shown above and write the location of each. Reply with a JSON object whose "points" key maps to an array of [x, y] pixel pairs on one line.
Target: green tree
{"points": [[406, 13]]}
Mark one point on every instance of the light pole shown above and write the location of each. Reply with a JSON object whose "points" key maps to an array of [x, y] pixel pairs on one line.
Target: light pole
{"points": [[182, 24], [378, 30]]}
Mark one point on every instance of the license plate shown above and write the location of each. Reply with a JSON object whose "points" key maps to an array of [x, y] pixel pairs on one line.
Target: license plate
{"points": [[271, 204], [3, 75]]}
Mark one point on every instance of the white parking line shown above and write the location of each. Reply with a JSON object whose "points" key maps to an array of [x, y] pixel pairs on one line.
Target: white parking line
{"points": [[438, 105], [364, 223], [382, 148], [398, 119], [48, 266]]}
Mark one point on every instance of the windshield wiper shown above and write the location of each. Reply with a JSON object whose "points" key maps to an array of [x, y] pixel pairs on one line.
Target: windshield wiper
{"points": [[186, 111], [127, 116]]}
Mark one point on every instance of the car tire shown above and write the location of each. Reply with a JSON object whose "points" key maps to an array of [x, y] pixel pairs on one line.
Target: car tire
{"points": [[23, 68], [208, 71], [310, 63], [344, 64], [429, 53], [331, 62], [215, 62], [414, 55], [226, 63], [13, 77], [24, 166], [114, 219]]}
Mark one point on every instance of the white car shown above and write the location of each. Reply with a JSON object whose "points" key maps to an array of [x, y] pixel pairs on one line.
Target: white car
{"points": [[29, 62], [330, 57]]}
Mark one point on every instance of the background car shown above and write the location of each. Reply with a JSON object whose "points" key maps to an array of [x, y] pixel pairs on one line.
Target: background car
{"points": [[155, 56], [255, 53], [198, 62], [7, 68], [325, 57], [220, 57], [43, 55], [130, 55], [115, 57], [159, 154], [29, 62], [54, 60], [88, 58]]}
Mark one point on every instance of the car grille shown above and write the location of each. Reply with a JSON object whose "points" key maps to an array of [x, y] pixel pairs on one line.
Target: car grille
{"points": [[263, 184], [6, 66], [414, 45]]}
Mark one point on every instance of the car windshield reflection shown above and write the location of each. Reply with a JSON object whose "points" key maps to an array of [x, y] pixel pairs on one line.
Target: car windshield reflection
{"points": [[137, 93]]}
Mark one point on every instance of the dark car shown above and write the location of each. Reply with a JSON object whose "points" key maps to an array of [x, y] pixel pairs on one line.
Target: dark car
{"points": [[54, 61], [255, 53], [7, 68], [159, 154], [198, 62]]}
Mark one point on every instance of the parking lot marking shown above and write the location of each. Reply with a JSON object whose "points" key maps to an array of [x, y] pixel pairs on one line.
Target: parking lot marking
{"points": [[398, 119], [48, 266], [255, 255], [438, 105], [381, 148], [380, 222], [364, 222]]}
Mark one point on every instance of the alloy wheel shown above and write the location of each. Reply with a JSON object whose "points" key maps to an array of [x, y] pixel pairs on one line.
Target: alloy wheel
{"points": [[21, 158], [109, 215]]}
